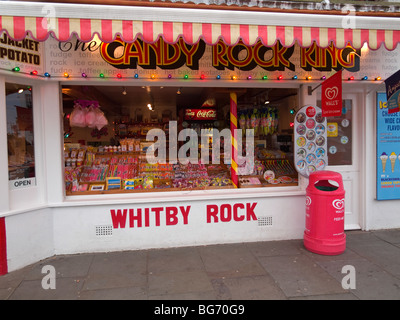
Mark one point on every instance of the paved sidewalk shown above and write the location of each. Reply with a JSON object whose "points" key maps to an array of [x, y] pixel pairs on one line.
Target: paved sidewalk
{"points": [[248, 271]]}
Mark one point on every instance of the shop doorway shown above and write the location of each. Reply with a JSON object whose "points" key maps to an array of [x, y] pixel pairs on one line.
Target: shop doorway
{"points": [[344, 149]]}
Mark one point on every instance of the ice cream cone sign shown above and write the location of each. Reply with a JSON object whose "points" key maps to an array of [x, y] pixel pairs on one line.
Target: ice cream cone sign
{"points": [[392, 159], [384, 158]]}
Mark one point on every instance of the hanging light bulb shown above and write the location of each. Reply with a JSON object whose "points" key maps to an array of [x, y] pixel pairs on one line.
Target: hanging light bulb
{"points": [[34, 73], [66, 75], [16, 69], [294, 77], [84, 75], [218, 77]]}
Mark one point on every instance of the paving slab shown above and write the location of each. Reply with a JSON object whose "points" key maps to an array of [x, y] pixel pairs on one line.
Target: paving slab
{"points": [[273, 270]]}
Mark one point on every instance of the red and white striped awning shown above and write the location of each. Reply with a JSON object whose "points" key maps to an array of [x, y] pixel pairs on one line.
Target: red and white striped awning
{"points": [[62, 29], [62, 20]]}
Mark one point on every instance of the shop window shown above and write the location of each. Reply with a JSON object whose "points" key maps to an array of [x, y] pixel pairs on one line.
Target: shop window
{"points": [[20, 136], [147, 139], [339, 134]]}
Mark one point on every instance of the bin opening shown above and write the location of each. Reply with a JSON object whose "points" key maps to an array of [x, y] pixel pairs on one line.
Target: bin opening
{"points": [[326, 185]]}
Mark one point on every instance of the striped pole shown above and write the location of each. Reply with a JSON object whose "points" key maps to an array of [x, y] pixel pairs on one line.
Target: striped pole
{"points": [[234, 156]]}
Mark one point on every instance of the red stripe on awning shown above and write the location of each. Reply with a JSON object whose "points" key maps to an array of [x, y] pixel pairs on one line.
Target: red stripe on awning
{"points": [[298, 34], [207, 32], [168, 28], [148, 31], [226, 33], [188, 32], [281, 33], [41, 28], [86, 29], [106, 30], [263, 34], [127, 31], [245, 33], [63, 29], [17, 28]]}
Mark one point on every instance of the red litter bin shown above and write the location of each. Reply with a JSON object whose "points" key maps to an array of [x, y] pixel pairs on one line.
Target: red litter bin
{"points": [[324, 232]]}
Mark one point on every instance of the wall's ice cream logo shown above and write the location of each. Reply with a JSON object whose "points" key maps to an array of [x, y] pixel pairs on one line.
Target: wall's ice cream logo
{"points": [[338, 204], [384, 158], [392, 159]]}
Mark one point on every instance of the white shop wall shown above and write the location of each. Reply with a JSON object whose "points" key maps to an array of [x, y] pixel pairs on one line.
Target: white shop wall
{"points": [[90, 227]]}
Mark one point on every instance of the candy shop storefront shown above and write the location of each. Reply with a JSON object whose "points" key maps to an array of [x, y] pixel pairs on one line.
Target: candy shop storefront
{"points": [[184, 126]]}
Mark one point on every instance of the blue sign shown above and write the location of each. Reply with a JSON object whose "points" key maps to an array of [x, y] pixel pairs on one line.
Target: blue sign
{"points": [[388, 151]]}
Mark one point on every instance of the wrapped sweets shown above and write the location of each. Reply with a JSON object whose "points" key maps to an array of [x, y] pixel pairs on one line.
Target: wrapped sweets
{"points": [[96, 173]]}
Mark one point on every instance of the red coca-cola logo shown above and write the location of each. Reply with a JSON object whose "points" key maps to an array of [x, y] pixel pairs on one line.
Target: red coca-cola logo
{"points": [[206, 114], [200, 114]]}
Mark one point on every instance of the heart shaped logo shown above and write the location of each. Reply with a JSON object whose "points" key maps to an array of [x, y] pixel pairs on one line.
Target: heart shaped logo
{"points": [[338, 204], [331, 93]]}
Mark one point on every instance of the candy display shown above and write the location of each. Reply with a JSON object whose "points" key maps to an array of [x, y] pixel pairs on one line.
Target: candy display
{"points": [[124, 171]]}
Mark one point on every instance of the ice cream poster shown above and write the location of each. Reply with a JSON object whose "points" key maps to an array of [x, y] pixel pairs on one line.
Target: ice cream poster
{"points": [[388, 151]]}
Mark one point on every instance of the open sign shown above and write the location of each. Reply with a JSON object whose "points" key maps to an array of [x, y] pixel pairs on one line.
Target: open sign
{"points": [[22, 183]]}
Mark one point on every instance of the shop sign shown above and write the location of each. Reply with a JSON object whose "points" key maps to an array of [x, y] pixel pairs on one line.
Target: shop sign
{"points": [[388, 156], [22, 183], [393, 92], [331, 96], [201, 61], [160, 54], [174, 215], [26, 53], [200, 114]]}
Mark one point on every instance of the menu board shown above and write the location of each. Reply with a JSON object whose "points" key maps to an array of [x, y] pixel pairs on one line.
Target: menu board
{"points": [[310, 140]]}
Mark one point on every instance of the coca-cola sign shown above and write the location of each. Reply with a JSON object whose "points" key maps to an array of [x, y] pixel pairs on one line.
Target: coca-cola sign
{"points": [[200, 114]]}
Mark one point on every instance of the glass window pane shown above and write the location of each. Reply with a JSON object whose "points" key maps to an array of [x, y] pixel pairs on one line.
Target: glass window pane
{"points": [[339, 134], [20, 138]]}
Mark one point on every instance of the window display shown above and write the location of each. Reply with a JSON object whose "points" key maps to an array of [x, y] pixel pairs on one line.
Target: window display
{"points": [[20, 137], [107, 145]]}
